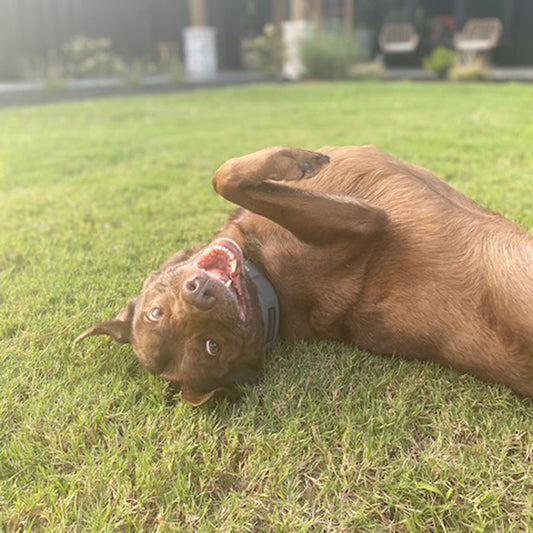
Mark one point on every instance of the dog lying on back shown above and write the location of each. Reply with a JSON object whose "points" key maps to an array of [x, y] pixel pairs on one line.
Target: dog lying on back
{"points": [[349, 244]]}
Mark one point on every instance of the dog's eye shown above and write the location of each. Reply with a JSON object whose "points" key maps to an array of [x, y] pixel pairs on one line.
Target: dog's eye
{"points": [[212, 347], [155, 314]]}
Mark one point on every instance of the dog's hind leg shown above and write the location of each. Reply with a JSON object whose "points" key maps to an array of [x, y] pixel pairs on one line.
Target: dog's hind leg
{"points": [[252, 182]]}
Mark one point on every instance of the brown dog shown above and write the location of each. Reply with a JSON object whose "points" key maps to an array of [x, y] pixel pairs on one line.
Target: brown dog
{"points": [[371, 251]]}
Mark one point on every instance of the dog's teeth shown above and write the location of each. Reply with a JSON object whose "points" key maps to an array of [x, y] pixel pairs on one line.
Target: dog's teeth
{"points": [[224, 249], [229, 253], [228, 283]]}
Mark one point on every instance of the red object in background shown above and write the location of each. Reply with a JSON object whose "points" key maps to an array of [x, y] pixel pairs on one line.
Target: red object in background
{"points": [[439, 25]]}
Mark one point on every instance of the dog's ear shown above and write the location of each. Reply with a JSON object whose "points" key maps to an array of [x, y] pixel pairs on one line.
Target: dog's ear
{"points": [[197, 398], [119, 328]]}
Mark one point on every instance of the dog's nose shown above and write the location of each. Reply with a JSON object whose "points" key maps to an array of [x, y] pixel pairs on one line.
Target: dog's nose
{"points": [[198, 291]]}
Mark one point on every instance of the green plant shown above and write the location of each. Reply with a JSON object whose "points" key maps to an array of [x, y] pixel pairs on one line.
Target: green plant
{"points": [[53, 76], [85, 57], [368, 70], [440, 61], [329, 53], [477, 70], [169, 63], [131, 75], [265, 52]]}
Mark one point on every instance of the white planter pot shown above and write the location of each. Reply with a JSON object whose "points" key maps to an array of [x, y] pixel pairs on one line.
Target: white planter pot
{"points": [[200, 50], [293, 31]]}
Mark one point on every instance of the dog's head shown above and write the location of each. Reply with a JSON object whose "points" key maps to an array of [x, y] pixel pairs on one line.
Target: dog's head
{"points": [[196, 322]]}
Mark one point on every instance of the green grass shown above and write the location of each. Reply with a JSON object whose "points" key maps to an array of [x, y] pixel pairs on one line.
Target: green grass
{"points": [[93, 195]]}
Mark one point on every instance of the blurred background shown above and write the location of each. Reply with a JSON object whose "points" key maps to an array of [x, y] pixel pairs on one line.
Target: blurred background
{"points": [[179, 40]]}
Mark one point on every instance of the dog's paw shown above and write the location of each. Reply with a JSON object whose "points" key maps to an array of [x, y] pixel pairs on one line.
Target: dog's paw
{"points": [[297, 164], [278, 163], [312, 165]]}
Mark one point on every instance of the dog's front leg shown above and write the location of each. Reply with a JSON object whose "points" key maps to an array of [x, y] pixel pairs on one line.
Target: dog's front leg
{"points": [[252, 182]]}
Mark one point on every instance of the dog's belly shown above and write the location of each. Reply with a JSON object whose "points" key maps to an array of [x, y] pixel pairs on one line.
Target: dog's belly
{"points": [[373, 331]]}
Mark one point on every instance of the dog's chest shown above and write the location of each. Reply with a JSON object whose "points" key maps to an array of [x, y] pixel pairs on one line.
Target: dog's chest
{"points": [[317, 294]]}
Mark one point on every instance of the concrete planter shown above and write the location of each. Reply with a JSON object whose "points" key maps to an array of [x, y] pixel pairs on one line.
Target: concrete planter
{"points": [[293, 32], [200, 50]]}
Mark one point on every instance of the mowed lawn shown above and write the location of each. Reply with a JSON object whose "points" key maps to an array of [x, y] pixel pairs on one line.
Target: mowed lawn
{"points": [[96, 194]]}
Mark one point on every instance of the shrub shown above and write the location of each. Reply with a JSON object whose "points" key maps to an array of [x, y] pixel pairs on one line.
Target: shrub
{"points": [[85, 58], [131, 75], [265, 52], [168, 62], [368, 70], [477, 70], [52, 75], [329, 53], [440, 61]]}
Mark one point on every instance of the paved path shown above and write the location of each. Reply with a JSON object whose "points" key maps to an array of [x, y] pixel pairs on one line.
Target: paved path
{"points": [[30, 93], [521, 74]]}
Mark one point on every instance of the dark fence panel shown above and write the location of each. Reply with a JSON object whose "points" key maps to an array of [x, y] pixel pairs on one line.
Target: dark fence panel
{"points": [[517, 48]]}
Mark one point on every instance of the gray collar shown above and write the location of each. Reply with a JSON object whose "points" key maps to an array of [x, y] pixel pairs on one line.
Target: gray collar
{"points": [[268, 302]]}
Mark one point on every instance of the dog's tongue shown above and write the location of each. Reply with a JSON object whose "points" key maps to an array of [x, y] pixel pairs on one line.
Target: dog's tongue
{"points": [[220, 262], [220, 274]]}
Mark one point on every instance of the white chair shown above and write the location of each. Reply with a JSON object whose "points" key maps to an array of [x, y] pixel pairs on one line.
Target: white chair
{"points": [[398, 38], [477, 37]]}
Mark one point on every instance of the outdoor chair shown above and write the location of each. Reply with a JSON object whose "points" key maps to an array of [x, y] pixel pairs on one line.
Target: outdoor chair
{"points": [[479, 36], [398, 38]]}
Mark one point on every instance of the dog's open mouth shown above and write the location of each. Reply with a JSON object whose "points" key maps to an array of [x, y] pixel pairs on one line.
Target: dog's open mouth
{"points": [[223, 260]]}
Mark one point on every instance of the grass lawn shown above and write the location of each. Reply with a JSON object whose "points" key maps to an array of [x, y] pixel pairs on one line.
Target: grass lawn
{"points": [[93, 195]]}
